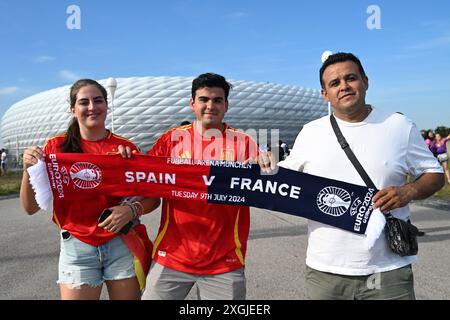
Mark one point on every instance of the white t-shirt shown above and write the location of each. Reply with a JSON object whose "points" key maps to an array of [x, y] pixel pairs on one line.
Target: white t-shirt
{"points": [[389, 147]]}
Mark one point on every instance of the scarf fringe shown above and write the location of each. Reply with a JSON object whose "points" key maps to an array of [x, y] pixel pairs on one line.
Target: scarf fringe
{"points": [[41, 185], [375, 227]]}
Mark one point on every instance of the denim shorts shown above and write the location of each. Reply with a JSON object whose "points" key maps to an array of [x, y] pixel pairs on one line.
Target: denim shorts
{"points": [[83, 264]]}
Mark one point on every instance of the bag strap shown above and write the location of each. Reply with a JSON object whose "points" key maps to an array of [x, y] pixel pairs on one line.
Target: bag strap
{"points": [[351, 156]]}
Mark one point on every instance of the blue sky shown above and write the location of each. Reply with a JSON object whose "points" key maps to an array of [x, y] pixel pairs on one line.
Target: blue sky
{"points": [[407, 60]]}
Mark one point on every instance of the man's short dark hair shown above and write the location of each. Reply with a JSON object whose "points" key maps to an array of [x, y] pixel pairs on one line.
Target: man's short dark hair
{"points": [[340, 57], [210, 80]]}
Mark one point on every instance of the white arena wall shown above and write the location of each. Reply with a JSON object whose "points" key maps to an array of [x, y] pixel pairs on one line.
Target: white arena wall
{"points": [[145, 107]]}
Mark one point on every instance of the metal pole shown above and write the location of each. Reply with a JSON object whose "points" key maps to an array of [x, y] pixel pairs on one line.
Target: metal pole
{"points": [[112, 113], [111, 83], [17, 150], [323, 58]]}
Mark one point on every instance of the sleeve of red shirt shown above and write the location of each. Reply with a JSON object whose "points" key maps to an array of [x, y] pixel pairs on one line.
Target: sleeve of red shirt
{"points": [[50, 146], [161, 147]]}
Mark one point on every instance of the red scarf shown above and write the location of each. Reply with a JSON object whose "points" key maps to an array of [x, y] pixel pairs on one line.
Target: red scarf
{"points": [[340, 204]]}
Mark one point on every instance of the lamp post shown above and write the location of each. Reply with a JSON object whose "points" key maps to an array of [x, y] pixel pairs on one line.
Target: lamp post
{"points": [[17, 149], [111, 84], [324, 57]]}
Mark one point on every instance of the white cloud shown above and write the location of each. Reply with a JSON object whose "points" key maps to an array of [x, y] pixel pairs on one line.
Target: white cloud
{"points": [[235, 15], [435, 24], [44, 59], [69, 75], [432, 43], [8, 90]]}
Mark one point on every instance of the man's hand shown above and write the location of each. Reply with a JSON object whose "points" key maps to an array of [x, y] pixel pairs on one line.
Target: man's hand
{"points": [[391, 198], [125, 151], [265, 161], [396, 197]]}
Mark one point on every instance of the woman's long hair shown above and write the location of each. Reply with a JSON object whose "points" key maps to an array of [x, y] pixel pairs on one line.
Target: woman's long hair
{"points": [[72, 141]]}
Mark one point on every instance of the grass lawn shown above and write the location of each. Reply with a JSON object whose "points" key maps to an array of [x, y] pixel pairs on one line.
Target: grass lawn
{"points": [[444, 193], [10, 183]]}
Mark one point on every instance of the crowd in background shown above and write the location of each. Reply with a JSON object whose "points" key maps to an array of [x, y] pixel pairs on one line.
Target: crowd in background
{"points": [[438, 146]]}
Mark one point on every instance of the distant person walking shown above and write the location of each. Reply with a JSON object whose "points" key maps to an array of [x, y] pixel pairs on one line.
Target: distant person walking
{"points": [[441, 152], [285, 148], [4, 161], [429, 140]]}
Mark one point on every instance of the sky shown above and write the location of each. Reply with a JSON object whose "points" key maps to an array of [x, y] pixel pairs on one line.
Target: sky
{"points": [[404, 45]]}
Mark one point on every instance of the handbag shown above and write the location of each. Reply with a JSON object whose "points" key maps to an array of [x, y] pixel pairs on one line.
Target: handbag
{"points": [[401, 235]]}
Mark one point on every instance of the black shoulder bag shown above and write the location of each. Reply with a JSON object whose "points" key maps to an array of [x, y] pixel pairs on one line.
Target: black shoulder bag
{"points": [[401, 235]]}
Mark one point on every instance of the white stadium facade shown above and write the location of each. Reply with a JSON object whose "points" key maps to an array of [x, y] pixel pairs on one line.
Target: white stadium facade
{"points": [[145, 107]]}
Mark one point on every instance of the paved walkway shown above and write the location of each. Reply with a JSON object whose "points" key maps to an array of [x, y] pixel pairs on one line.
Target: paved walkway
{"points": [[29, 247]]}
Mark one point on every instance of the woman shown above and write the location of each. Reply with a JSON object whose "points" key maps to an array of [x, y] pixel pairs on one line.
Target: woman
{"points": [[441, 152], [429, 140], [91, 252]]}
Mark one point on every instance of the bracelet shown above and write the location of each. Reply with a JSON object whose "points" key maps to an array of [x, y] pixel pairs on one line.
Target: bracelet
{"points": [[133, 209], [139, 208]]}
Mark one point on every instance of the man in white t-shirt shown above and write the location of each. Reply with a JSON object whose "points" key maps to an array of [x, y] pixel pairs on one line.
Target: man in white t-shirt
{"points": [[390, 148]]}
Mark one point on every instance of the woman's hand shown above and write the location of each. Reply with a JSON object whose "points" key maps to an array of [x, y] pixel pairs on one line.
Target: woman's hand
{"points": [[119, 217], [31, 155]]}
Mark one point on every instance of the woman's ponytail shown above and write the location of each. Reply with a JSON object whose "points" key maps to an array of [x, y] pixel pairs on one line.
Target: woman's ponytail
{"points": [[72, 142]]}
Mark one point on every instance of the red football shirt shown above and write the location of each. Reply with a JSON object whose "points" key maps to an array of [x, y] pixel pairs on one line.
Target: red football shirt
{"points": [[194, 236], [80, 218]]}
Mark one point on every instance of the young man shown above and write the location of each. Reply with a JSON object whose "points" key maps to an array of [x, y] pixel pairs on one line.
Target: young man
{"points": [[198, 242], [389, 147]]}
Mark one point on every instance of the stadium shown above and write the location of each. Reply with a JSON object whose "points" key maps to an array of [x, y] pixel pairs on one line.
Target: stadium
{"points": [[142, 108]]}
